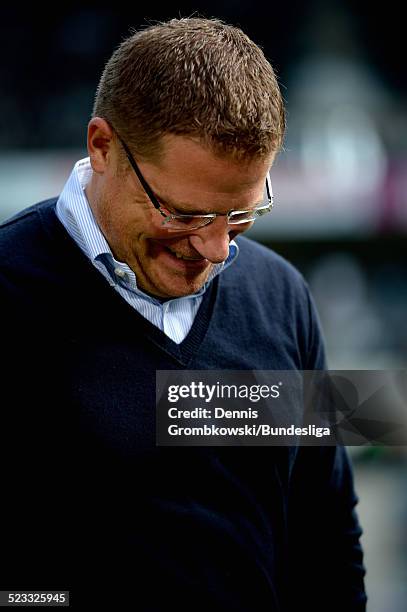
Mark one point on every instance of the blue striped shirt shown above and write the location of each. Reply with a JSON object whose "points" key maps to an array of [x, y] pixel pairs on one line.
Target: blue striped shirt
{"points": [[175, 316]]}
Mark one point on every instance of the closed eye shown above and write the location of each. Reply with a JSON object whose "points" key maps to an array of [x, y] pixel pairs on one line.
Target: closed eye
{"points": [[176, 211]]}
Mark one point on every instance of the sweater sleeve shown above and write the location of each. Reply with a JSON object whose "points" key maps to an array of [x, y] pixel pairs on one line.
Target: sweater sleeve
{"points": [[315, 359], [325, 554], [326, 559]]}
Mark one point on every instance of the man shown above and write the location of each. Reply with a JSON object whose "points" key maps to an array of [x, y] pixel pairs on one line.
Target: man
{"points": [[133, 269]]}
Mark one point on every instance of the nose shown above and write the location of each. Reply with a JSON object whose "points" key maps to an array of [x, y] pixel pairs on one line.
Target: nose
{"points": [[212, 240]]}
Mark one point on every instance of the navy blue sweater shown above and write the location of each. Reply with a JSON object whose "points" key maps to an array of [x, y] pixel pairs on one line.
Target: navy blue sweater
{"points": [[91, 504]]}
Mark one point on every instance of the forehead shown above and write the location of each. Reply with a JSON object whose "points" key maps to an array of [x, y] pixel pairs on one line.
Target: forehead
{"points": [[194, 177]]}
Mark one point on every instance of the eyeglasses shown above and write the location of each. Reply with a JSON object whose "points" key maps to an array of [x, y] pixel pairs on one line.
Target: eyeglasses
{"points": [[183, 222]]}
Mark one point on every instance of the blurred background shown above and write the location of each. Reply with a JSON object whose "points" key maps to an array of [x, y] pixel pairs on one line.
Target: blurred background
{"points": [[340, 184]]}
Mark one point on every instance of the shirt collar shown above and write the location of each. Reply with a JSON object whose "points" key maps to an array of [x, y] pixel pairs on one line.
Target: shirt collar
{"points": [[75, 213]]}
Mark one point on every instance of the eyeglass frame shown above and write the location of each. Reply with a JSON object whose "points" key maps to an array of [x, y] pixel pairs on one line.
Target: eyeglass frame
{"points": [[209, 216]]}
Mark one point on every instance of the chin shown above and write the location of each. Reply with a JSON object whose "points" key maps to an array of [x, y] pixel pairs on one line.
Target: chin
{"points": [[182, 292], [181, 289], [165, 283]]}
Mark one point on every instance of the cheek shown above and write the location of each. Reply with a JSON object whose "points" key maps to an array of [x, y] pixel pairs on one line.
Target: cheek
{"points": [[120, 230], [131, 225]]}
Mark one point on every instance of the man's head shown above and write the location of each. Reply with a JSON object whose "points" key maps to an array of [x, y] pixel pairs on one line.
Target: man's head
{"points": [[195, 77], [198, 106]]}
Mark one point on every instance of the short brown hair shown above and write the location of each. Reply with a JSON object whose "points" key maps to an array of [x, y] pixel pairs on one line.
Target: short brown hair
{"points": [[196, 77]]}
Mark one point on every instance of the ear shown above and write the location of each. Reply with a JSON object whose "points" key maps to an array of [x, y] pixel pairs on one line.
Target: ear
{"points": [[100, 144]]}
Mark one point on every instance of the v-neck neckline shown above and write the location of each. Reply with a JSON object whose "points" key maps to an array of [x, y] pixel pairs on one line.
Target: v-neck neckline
{"points": [[183, 352]]}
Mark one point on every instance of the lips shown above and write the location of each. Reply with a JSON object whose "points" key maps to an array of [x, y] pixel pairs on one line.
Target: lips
{"points": [[182, 256], [179, 263]]}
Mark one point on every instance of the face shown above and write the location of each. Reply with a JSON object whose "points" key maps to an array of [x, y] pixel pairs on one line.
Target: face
{"points": [[189, 178]]}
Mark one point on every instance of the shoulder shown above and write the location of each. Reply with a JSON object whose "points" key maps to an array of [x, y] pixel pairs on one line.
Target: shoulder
{"points": [[264, 267], [24, 231], [27, 213], [276, 291], [30, 245]]}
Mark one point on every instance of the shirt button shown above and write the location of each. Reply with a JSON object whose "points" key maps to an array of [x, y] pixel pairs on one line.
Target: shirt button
{"points": [[120, 273]]}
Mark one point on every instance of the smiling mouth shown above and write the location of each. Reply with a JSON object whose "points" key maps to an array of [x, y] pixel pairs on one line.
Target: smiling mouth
{"points": [[180, 256]]}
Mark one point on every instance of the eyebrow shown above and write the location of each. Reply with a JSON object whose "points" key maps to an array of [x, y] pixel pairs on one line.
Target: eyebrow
{"points": [[181, 207], [187, 211]]}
